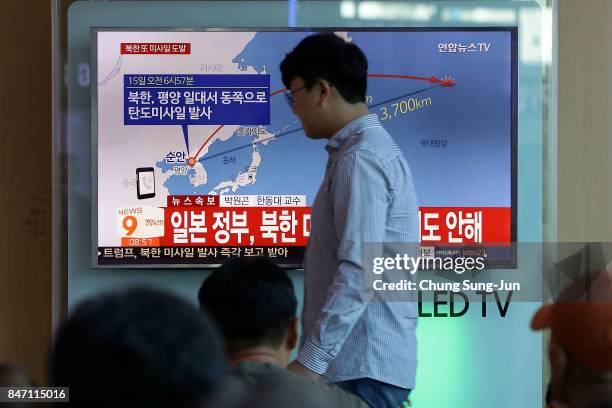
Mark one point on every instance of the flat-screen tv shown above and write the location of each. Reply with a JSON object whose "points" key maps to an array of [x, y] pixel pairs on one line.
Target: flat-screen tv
{"points": [[198, 157]]}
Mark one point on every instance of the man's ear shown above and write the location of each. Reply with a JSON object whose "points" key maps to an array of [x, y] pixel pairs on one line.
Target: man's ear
{"points": [[324, 90], [292, 335]]}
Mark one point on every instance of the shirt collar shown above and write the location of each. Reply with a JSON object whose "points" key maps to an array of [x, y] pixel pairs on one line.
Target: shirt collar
{"points": [[341, 136]]}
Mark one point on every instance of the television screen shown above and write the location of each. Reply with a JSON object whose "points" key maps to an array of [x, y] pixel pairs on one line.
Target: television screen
{"points": [[197, 155]]}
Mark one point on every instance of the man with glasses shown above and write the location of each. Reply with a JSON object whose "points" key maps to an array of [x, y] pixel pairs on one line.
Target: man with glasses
{"points": [[367, 196]]}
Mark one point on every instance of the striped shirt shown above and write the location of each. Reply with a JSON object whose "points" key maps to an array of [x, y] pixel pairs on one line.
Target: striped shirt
{"points": [[367, 195]]}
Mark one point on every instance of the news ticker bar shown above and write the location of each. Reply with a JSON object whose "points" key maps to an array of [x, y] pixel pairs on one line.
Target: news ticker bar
{"points": [[284, 255], [194, 255]]}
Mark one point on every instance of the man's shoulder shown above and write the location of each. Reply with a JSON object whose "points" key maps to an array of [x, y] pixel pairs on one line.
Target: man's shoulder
{"points": [[374, 142], [269, 375]]}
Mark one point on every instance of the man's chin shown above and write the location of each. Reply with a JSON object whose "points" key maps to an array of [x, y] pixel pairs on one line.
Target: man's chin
{"points": [[314, 136]]}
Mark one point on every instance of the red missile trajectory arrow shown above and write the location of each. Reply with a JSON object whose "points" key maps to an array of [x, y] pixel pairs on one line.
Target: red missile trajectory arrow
{"points": [[446, 81]]}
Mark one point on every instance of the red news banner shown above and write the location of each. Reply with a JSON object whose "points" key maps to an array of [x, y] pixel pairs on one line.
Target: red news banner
{"points": [[231, 221], [243, 221], [465, 225]]}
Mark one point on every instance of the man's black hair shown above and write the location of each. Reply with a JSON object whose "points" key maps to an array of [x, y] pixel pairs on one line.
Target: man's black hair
{"points": [[252, 301], [138, 348], [329, 57]]}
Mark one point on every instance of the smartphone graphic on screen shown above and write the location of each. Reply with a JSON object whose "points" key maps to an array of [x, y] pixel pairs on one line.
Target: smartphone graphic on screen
{"points": [[145, 182]]}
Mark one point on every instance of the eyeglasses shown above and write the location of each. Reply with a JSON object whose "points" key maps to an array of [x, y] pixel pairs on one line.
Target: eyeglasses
{"points": [[289, 95]]}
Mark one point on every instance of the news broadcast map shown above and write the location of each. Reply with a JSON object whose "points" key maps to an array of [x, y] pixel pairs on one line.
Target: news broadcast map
{"points": [[444, 96]]}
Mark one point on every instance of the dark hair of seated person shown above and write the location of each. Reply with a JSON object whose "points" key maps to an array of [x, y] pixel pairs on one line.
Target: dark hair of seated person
{"points": [[252, 301], [139, 348]]}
